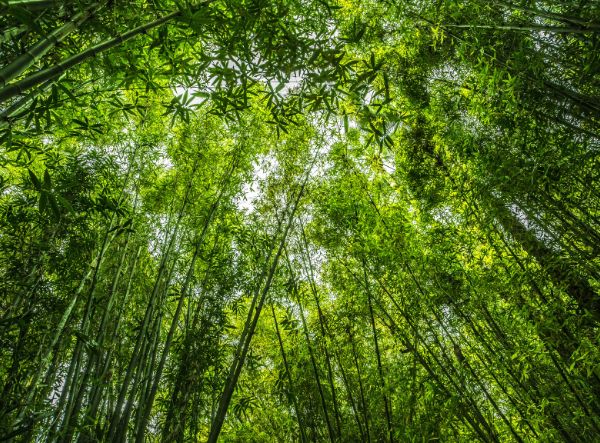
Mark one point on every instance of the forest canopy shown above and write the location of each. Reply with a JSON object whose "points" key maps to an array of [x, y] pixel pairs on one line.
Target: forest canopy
{"points": [[299, 220]]}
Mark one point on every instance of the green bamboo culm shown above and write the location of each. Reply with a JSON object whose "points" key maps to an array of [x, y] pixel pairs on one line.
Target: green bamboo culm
{"points": [[183, 294], [552, 16], [433, 274], [253, 316], [531, 28], [11, 33], [30, 4], [12, 90], [18, 105], [37, 51]]}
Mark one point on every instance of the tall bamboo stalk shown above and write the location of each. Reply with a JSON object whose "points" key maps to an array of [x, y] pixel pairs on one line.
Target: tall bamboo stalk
{"points": [[288, 374], [311, 280], [136, 357], [30, 4], [36, 52], [44, 367], [378, 354], [253, 316], [51, 73], [313, 361], [147, 406], [551, 15]]}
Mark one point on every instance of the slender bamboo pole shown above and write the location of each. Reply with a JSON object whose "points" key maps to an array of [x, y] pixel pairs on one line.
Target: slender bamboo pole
{"points": [[19, 87], [551, 15], [103, 367], [6, 116], [134, 361], [11, 33], [72, 414], [378, 354], [350, 396], [35, 53], [361, 388], [311, 280], [576, 287], [490, 432], [30, 4], [313, 361], [44, 367], [174, 425], [253, 316], [530, 28], [147, 406], [286, 366]]}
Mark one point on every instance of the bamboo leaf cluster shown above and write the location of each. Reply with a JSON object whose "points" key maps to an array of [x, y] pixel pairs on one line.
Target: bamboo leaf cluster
{"points": [[268, 220]]}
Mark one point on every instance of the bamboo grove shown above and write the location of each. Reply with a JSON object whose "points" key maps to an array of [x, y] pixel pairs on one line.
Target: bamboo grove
{"points": [[299, 220]]}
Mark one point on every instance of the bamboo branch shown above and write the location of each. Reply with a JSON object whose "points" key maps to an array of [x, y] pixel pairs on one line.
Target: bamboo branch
{"points": [[23, 85], [32, 55]]}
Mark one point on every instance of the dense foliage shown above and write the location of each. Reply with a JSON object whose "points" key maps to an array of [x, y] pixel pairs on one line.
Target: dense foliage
{"points": [[294, 220]]}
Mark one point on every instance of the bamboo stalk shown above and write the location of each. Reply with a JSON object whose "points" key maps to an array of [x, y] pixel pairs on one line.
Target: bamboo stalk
{"points": [[44, 367], [286, 366], [147, 406], [489, 432], [17, 105], [378, 354], [134, 361], [36, 52], [181, 393], [309, 271], [11, 33], [350, 396], [577, 287], [253, 316], [551, 15], [528, 28], [19, 87], [96, 395], [361, 388], [30, 4], [313, 361]]}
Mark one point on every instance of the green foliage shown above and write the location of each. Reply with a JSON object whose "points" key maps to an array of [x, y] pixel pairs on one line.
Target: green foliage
{"points": [[252, 220]]}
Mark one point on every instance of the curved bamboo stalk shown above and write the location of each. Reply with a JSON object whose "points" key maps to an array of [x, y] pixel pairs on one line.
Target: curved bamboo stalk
{"points": [[36, 52], [19, 87], [30, 4]]}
